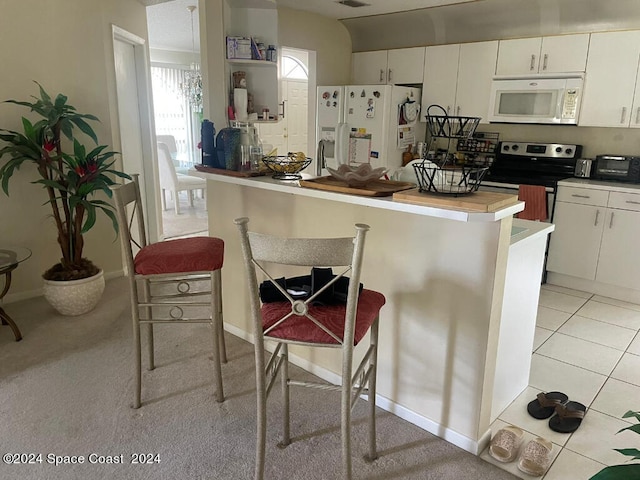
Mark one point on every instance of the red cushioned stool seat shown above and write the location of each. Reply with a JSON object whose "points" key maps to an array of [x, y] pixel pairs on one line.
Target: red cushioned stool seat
{"points": [[195, 254], [301, 329]]}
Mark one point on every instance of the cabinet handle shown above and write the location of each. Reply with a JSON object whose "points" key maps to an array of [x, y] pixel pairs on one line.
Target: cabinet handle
{"points": [[580, 196], [381, 75], [390, 75], [533, 62], [633, 202], [638, 115], [458, 110], [544, 61], [624, 114], [595, 224], [611, 220], [448, 109]]}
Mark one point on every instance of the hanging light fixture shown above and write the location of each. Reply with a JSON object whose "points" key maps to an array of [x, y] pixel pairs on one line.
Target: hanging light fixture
{"points": [[192, 86]]}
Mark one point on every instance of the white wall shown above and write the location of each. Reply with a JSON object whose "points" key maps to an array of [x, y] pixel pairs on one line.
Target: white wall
{"points": [[68, 48]]}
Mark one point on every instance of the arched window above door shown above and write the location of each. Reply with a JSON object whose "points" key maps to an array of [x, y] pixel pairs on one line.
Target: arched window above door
{"points": [[292, 68]]}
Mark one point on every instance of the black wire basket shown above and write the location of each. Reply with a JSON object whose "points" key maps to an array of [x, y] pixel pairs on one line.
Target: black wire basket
{"points": [[286, 167], [446, 126], [449, 179]]}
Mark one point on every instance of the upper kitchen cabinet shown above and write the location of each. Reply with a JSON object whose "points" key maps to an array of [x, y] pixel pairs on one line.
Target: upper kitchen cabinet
{"points": [[458, 78], [556, 54], [402, 66], [611, 80]]}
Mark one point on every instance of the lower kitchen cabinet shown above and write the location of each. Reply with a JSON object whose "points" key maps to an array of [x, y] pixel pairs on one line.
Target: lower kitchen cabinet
{"points": [[596, 233]]}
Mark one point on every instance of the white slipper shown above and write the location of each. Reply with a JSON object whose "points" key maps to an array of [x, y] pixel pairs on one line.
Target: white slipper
{"points": [[506, 443], [536, 457]]}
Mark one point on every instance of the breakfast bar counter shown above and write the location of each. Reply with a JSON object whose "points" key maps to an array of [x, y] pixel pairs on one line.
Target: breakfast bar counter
{"points": [[462, 289]]}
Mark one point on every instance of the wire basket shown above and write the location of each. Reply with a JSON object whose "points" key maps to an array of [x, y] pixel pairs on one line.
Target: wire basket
{"points": [[286, 167], [450, 127], [447, 179]]}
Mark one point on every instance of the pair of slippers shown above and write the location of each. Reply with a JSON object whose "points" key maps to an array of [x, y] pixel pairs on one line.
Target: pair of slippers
{"points": [[534, 459], [568, 414]]}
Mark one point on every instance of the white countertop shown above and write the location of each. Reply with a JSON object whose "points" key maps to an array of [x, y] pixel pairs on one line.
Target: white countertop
{"points": [[601, 185], [387, 203]]}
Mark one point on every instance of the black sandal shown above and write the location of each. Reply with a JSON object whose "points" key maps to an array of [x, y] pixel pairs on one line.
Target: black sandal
{"points": [[568, 417], [545, 403]]}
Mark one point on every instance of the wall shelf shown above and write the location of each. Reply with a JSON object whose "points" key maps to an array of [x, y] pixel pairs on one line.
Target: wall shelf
{"points": [[246, 61]]}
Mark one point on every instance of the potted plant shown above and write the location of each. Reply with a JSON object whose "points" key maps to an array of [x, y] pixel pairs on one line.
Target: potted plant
{"points": [[630, 471], [71, 174]]}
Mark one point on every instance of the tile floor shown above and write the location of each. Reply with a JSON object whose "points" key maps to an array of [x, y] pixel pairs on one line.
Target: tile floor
{"points": [[588, 347]]}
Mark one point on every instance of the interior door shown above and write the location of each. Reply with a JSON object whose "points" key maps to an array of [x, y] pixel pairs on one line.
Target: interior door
{"points": [[296, 117]]}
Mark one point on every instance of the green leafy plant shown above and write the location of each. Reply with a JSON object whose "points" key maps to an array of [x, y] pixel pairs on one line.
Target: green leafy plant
{"points": [[628, 471], [71, 179]]}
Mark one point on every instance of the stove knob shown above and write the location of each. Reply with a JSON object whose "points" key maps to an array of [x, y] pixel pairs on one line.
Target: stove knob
{"points": [[506, 148], [558, 149], [568, 151], [515, 148]]}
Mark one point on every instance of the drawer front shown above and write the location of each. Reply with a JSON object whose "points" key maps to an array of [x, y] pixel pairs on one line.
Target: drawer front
{"points": [[624, 201], [584, 196]]}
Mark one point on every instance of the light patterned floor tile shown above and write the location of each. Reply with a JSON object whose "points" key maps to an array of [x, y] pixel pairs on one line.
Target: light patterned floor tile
{"points": [[551, 319], [635, 346], [568, 291], [516, 414], [512, 467], [581, 353], [541, 335], [549, 375], [598, 332], [619, 303], [614, 399], [569, 465], [561, 301], [596, 438], [628, 370], [623, 317]]}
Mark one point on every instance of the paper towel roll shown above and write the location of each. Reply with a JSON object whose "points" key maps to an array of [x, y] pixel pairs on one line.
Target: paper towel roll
{"points": [[240, 100]]}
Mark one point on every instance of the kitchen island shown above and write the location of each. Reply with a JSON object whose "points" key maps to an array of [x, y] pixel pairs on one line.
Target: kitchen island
{"points": [[462, 289]]}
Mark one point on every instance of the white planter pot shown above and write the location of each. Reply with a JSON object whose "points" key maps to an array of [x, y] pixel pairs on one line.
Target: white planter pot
{"points": [[74, 297]]}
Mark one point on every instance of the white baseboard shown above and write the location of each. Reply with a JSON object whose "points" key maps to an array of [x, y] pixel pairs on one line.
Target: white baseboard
{"points": [[466, 443]]}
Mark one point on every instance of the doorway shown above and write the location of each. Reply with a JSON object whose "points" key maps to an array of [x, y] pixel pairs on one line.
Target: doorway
{"points": [[134, 120], [291, 133]]}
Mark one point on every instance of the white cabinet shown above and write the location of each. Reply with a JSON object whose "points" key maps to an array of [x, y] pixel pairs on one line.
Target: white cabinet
{"points": [[610, 82], [556, 54], [575, 243], [458, 77], [595, 231], [396, 67]]}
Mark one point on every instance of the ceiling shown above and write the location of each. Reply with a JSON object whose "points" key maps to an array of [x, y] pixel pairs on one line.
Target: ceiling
{"points": [[169, 21]]}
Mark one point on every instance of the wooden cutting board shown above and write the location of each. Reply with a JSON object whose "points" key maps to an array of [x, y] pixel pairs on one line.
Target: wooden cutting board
{"points": [[375, 188], [229, 173], [476, 201]]}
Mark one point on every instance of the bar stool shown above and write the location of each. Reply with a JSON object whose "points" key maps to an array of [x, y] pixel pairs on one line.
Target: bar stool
{"points": [[168, 279], [304, 322]]}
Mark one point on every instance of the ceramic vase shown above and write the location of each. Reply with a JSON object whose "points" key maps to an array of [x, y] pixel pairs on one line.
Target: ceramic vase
{"points": [[74, 297]]}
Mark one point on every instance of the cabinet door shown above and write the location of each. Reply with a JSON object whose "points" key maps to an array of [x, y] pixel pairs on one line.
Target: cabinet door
{"points": [[405, 66], [575, 243], [635, 110], [619, 263], [564, 53], [369, 68], [475, 72], [519, 56], [612, 67], [440, 77]]}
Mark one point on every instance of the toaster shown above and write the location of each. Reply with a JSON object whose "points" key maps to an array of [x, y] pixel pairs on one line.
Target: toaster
{"points": [[583, 168]]}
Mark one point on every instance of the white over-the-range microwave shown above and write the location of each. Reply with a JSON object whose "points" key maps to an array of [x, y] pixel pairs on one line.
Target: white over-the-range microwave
{"points": [[541, 99]]}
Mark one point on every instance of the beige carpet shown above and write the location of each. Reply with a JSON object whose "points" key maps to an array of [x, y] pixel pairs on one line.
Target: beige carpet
{"points": [[66, 390]]}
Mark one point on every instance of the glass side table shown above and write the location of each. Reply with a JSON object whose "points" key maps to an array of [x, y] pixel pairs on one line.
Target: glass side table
{"points": [[10, 258]]}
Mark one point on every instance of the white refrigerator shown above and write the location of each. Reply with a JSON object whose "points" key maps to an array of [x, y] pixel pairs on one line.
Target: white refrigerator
{"points": [[373, 124]]}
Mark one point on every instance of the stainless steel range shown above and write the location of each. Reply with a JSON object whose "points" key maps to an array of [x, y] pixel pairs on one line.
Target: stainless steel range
{"points": [[545, 164]]}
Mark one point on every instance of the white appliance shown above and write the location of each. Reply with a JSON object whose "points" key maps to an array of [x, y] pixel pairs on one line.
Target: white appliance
{"points": [[373, 124], [539, 99]]}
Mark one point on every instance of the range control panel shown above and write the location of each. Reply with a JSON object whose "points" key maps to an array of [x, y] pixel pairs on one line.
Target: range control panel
{"points": [[542, 150]]}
